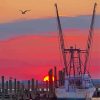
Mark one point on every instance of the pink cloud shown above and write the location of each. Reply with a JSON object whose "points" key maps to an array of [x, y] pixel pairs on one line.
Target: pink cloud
{"points": [[32, 56]]}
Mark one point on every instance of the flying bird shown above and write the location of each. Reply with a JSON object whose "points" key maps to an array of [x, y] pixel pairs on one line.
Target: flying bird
{"points": [[24, 12]]}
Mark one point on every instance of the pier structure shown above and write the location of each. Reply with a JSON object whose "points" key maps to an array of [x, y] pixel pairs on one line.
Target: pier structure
{"points": [[15, 90]]}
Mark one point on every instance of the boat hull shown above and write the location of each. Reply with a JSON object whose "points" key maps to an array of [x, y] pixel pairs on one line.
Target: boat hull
{"points": [[80, 94], [71, 98]]}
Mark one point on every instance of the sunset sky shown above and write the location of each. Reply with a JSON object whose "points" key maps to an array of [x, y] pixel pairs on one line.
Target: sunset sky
{"points": [[29, 44]]}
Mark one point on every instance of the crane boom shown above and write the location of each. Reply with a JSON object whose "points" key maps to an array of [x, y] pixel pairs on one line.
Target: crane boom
{"points": [[90, 38], [61, 39]]}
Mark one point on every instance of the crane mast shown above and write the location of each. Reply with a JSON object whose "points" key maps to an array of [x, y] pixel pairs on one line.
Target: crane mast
{"points": [[61, 40], [73, 62], [90, 38]]}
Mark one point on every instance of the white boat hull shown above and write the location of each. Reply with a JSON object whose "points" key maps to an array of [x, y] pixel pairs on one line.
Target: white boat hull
{"points": [[78, 94]]}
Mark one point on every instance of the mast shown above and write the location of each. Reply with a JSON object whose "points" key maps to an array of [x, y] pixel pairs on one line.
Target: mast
{"points": [[62, 45], [90, 38]]}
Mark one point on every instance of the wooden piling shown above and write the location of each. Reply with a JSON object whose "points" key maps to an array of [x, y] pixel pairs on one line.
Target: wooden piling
{"points": [[22, 87], [59, 74], [32, 84], [10, 85], [63, 79], [47, 85], [37, 85], [3, 87], [50, 80], [55, 77], [18, 86], [14, 85], [28, 85], [6, 87]]}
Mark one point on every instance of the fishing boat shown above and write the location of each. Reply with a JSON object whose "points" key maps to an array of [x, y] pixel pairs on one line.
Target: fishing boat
{"points": [[78, 84]]}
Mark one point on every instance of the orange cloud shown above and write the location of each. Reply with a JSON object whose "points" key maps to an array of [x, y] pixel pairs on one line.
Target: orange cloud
{"points": [[44, 8]]}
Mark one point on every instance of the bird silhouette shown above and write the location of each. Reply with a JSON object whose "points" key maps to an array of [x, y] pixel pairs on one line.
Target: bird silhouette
{"points": [[24, 12]]}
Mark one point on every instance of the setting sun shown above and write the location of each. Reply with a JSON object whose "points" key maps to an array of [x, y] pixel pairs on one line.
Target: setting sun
{"points": [[46, 78]]}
